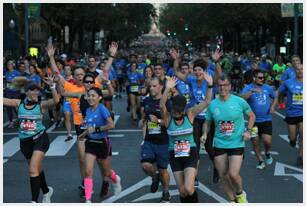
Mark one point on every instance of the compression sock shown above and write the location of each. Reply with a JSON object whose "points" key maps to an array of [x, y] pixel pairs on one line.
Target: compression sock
{"points": [[88, 188], [35, 187], [113, 176], [43, 183]]}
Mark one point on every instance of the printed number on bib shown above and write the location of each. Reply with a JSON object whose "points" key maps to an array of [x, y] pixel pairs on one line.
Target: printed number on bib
{"points": [[181, 148], [227, 127], [297, 99], [28, 126], [134, 88], [154, 128]]}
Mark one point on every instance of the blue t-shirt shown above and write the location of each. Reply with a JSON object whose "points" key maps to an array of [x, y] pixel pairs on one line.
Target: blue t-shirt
{"points": [[260, 102], [293, 89], [246, 64], [97, 118], [289, 73], [228, 117], [184, 89], [9, 76], [211, 68], [35, 79], [265, 66], [198, 93]]}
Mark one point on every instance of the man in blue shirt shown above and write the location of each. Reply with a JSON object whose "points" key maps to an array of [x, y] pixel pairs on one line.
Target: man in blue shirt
{"points": [[290, 71], [259, 96], [293, 90]]}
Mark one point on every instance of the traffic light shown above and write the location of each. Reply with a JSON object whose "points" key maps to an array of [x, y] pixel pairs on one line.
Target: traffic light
{"points": [[186, 27], [287, 37]]}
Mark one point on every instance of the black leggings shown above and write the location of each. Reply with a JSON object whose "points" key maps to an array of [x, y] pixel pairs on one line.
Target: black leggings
{"points": [[197, 133]]}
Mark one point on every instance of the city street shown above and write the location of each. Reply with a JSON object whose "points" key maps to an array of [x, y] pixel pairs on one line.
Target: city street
{"points": [[281, 182]]}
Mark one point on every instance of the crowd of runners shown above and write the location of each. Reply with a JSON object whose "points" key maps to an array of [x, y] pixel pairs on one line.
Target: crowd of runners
{"points": [[182, 101]]}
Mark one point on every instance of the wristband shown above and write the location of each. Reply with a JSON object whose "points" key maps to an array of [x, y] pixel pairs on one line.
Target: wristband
{"points": [[98, 129], [53, 86], [210, 86]]}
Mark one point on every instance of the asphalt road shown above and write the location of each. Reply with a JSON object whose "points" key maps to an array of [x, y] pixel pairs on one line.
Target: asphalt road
{"points": [[281, 182]]}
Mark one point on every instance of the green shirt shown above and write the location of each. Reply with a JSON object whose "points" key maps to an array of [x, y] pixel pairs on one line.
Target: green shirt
{"points": [[228, 117], [279, 70]]}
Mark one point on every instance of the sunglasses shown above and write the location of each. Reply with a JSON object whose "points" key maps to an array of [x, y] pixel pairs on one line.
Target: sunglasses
{"points": [[89, 82], [261, 78]]}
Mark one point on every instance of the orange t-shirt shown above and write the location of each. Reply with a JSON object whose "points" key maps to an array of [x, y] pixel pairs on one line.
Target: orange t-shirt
{"points": [[75, 102]]}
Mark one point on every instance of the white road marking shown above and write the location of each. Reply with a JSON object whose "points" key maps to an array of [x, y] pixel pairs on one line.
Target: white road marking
{"points": [[147, 181], [115, 153], [116, 118], [279, 114], [11, 147], [262, 152], [6, 124], [285, 137], [59, 147], [280, 171]]}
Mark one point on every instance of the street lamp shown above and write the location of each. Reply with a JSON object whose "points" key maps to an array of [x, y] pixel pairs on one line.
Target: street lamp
{"points": [[12, 24]]}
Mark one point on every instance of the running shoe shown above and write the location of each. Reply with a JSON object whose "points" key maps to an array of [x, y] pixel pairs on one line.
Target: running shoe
{"points": [[47, 196], [155, 184], [69, 137], [261, 165], [117, 185], [104, 189], [165, 198], [196, 182], [242, 198], [215, 176], [269, 159]]}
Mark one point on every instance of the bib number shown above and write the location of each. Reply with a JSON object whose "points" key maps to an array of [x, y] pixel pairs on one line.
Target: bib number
{"points": [[297, 99], [227, 128], [153, 128], [134, 88], [28, 126], [181, 148]]}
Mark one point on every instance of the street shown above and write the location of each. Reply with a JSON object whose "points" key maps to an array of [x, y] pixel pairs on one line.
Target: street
{"points": [[281, 182]]}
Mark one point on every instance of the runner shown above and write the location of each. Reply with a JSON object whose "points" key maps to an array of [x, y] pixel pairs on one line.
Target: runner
{"points": [[293, 90], [97, 145], [34, 141], [154, 148], [10, 91], [227, 113], [67, 104], [183, 154], [133, 86], [259, 96]]}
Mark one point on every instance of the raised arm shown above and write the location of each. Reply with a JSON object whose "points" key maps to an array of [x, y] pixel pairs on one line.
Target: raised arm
{"points": [[163, 109], [216, 57], [112, 51], [200, 107], [176, 57], [51, 102], [51, 50]]}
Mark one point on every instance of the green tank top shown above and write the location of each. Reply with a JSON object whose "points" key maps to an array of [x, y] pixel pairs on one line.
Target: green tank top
{"points": [[30, 121], [180, 136]]}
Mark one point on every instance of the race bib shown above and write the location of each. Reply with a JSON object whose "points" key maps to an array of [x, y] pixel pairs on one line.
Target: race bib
{"points": [[153, 128], [297, 99], [28, 126], [134, 88], [227, 127], [84, 124], [105, 92], [10, 85], [187, 97], [181, 148]]}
